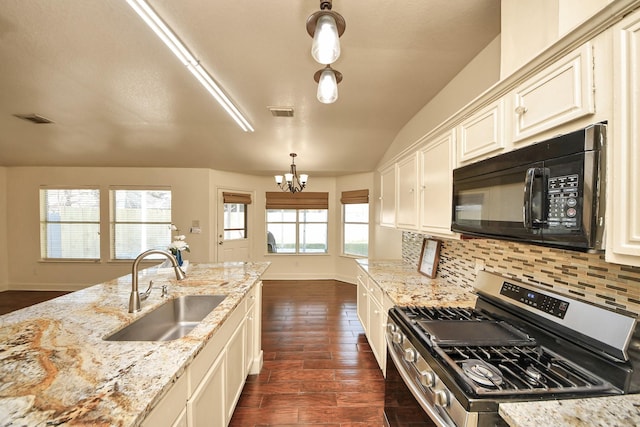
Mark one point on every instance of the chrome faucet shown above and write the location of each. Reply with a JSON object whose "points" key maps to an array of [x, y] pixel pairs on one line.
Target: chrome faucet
{"points": [[134, 299]]}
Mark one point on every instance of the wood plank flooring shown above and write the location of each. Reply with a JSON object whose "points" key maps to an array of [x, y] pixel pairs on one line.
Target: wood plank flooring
{"points": [[15, 300], [318, 367]]}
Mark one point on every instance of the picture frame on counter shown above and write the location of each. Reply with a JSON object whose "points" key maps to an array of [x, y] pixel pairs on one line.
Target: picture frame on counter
{"points": [[429, 257]]}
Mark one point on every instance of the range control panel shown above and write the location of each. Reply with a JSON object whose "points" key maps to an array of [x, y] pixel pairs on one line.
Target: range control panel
{"points": [[535, 299]]}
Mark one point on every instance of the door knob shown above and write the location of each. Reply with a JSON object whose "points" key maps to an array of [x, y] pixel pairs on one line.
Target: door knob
{"points": [[220, 242]]}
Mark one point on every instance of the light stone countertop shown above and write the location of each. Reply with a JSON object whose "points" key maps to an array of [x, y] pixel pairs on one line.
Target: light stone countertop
{"points": [[56, 369], [405, 286], [617, 411]]}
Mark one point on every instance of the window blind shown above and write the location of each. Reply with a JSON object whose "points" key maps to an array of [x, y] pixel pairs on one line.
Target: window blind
{"points": [[241, 198], [354, 197], [303, 200]]}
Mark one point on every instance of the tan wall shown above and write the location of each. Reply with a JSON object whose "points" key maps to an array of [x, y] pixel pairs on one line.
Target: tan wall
{"points": [[3, 229], [26, 271]]}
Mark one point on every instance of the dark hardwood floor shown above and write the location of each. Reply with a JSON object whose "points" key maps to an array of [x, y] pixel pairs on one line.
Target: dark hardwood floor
{"points": [[318, 367], [15, 300]]}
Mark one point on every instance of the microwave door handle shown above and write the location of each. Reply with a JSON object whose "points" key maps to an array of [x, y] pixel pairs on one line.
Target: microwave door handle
{"points": [[527, 208]]}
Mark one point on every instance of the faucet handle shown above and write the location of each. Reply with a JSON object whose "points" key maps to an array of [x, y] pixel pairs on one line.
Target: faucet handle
{"points": [[144, 295]]}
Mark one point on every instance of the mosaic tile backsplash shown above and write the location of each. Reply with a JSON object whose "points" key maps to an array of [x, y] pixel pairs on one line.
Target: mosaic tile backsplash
{"points": [[586, 277]]}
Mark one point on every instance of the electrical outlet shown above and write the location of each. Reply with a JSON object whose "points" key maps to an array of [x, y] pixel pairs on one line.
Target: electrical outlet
{"points": [[195, 230], [479, 265]]}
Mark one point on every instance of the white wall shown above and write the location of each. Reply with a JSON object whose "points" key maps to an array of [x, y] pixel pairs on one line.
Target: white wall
{"points": [[3, 229]]}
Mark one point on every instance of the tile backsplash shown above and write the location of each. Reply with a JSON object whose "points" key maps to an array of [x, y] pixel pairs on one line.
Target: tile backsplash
{"points": [[586, 277]]}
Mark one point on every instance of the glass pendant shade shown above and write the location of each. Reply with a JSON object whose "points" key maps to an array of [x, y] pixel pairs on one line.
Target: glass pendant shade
{"points": [[288, 177], [327, 87], [303, 178], [326, 41], [278, 179]]}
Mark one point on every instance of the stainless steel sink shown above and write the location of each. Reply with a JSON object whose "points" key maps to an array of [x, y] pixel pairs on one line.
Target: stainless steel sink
{"points": [[170, 321]]}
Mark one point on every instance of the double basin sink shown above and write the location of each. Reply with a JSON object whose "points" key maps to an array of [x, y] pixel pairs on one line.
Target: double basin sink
{"points": [[169, 321]]}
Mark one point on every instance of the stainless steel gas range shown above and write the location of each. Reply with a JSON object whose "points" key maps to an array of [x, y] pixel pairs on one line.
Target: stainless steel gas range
{"points": [[454, 366]]}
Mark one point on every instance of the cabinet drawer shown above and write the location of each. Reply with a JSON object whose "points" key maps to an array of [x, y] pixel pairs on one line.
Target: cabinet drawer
{"points": [[375, 292], [560, 93]]}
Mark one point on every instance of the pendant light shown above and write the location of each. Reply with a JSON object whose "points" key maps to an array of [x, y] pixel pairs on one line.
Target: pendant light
{"points": [[327, 79], [326, 27]]}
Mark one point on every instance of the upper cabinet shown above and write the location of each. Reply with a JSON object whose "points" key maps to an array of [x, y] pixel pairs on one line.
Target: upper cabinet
{"points": [[388, 196], [436, 162], [482, 134], [561, 92], [623, 209], [407, 197]]}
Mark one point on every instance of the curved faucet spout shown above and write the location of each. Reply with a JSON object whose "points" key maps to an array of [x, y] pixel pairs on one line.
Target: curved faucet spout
{"points": [[134, 299]]}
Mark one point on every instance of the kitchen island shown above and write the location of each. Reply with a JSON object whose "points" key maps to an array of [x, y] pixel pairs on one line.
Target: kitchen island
{"points": [[57, 369]]}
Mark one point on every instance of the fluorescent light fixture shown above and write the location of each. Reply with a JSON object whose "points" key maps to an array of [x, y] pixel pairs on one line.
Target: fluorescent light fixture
{"points": [[165, 34]]}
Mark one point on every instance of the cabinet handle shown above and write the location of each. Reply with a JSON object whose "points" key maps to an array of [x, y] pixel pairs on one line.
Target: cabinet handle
{"points": [[520, 110]]}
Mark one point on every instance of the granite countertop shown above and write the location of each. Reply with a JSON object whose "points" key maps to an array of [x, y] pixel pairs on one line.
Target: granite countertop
{"points": [[56, 369], [619, 411], [405, 286]]}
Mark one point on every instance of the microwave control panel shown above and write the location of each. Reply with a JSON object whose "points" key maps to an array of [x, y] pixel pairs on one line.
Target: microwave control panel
{"points": [[562, 193], [537, 300]]}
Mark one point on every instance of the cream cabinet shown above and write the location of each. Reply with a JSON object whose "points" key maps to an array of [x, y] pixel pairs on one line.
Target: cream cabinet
{"points": [[482, 134], [623, 208], [373, 306], [407, 193], [436, 164], [561, 92], [206, 395], [388, 196]]}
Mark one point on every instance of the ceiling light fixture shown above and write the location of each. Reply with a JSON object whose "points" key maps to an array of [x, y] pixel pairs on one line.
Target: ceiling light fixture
{"points": [[292, 182], [327, 79], [161, 29], [326, 27]]}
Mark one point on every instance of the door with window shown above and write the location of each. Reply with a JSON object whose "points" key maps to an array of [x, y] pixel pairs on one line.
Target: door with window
{"points": [[234, 238]]}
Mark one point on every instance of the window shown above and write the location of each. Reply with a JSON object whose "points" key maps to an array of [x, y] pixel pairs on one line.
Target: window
{"points": [[70, 223], [355, 214], [235, 215], [297, 223], [140, 220]]}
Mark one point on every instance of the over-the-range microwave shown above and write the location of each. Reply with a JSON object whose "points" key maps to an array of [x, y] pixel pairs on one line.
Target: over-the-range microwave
{"points": [[550, 193]]}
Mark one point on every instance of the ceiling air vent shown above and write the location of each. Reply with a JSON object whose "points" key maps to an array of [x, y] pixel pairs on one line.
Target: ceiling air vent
{"points": [[281, 111], [34, 118]]}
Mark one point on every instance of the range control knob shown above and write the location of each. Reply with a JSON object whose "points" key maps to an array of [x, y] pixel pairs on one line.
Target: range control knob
{"points": [[391, 328], [442, 398], [427, 378], [397, 338], [410, 355]]}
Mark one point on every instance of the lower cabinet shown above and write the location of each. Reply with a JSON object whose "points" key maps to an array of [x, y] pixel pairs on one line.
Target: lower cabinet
{"points": [[372, 307], [207, 394]]}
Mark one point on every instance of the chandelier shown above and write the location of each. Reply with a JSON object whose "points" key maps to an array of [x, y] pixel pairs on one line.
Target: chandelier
{"points": [[326, 27], [292, 182]]}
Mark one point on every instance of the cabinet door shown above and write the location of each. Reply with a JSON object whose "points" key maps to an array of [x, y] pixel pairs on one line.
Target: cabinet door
{"points": [[481, 134], [436, 164], [388, 197], [407, 208], [181, 421], [623, 210], [235, 369], [377, 325], [363, 301], [206, 407], [560, 93]]}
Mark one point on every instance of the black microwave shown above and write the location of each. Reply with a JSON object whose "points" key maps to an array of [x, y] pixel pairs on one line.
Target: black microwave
{"points": [[550, 193]]}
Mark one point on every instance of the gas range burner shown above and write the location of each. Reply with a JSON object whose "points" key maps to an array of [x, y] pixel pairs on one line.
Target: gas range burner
{"points": [[482, 373]]}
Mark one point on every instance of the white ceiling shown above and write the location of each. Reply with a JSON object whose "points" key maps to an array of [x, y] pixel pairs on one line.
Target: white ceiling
{"points": [[118, 97]]}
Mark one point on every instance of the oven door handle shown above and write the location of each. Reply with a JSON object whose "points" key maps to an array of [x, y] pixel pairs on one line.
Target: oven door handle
{"points": [[415, 391], [527, 209]]}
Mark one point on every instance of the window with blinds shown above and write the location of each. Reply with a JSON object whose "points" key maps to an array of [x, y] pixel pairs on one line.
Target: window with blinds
{"points": [[70, 223], [140, 220], [297, 223], [355, 222]]}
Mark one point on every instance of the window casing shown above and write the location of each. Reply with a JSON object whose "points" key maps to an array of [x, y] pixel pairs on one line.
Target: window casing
{"points": [[299, 231], [70, 223], [355, 223], [140, 220]]}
